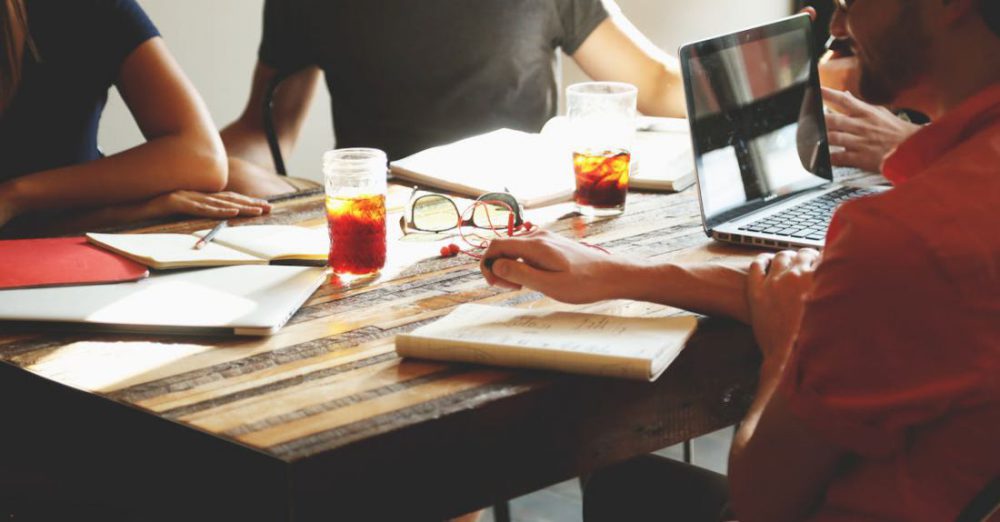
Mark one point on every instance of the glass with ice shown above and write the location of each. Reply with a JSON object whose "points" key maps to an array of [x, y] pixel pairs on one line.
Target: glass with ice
{"points": [[355, 210], [602, 127]]}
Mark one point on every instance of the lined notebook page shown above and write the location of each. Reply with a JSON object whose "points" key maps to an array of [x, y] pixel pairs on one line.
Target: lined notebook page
{"points": [[276, 241], [171, 250], [638, 348]]}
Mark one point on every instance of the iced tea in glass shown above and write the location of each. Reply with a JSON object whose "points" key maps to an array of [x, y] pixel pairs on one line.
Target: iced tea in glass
{"points": [[602, 121], [601, 180], [355, 210], [357, 233]]}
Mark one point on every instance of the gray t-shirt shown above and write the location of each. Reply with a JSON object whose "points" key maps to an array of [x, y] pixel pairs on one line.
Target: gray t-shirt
{"points": [[405, 75]]}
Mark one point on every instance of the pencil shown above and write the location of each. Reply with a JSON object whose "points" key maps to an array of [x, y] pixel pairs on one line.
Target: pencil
{"points": [[210, 235]]}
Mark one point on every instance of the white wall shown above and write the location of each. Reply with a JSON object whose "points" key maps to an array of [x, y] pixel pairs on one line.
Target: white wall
{"points": [[672, 23], [216, 42]]}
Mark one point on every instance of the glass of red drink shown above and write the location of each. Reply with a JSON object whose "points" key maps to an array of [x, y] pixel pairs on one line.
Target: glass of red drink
{"points": [[601, 181], [355, 210], [602, 121]]}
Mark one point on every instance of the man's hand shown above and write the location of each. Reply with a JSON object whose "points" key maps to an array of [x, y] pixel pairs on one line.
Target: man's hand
{"points": [[560, 268], [866, 132], [776, 291]]}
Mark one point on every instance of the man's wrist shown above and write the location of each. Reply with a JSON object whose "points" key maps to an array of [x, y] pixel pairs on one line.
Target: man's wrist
{"points": [[639, 280]]}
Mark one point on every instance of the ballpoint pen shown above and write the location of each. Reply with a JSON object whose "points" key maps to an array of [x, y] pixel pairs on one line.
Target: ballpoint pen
{"points": [[210, 235]]}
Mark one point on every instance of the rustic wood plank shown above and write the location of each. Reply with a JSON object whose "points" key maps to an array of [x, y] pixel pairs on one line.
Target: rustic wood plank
{"points": [[300, 428], [304, 400], [273, 374], [328, 398]]}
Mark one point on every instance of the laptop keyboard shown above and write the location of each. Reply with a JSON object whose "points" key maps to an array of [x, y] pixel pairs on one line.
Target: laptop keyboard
{"points": [[808, 220]]}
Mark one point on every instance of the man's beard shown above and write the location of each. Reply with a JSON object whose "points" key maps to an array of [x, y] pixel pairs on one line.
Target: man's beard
{"points": [[893, 62]]}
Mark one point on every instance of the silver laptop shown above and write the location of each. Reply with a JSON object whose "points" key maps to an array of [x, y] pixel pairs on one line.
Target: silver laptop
{"points": [[761, 154], [235, 300]]}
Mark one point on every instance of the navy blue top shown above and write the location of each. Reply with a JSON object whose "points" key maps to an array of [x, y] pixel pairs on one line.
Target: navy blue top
{"points": [[52, 120]]}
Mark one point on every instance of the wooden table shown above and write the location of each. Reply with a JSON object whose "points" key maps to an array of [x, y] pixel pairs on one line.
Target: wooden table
{"points": [[323, 422]]}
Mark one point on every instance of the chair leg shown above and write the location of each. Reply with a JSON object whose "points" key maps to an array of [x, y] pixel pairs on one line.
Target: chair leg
{"points": [[687, 451], [501, 512]]}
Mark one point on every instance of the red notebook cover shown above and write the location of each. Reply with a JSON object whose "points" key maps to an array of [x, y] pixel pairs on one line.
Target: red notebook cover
{"points": [[28, 263]]}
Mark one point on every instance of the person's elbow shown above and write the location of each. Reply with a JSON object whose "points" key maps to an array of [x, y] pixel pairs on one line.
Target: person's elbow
{"points": [[205, 166], [665, 93]]}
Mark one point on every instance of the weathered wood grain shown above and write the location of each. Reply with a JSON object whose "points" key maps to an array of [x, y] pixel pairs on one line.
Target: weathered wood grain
{"points": [[328, 401]]}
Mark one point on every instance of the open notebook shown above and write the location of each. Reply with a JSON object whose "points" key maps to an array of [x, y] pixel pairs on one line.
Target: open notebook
{"points": [[504, 160], [538, 168], [627, 347], [662, 158], [246, 245]]}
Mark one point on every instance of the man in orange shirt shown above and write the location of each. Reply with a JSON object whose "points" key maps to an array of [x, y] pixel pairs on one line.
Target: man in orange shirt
{"points": [[879, 394]]}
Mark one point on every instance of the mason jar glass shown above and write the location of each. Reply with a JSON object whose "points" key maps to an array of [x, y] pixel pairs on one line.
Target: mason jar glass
{"points": [[355, 209]]}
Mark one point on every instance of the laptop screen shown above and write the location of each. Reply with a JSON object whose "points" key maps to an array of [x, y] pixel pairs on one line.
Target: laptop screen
{"points": [[756, 116]]}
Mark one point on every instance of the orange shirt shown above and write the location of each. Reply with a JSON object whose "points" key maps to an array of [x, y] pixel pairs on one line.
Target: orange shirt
{"points": [[898, 356]]}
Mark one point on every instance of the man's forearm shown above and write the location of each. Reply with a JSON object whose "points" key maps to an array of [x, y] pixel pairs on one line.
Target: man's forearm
{"points": [[711, 289], [707, 288]]}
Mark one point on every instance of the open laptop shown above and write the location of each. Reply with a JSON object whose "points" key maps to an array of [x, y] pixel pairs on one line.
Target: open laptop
{"points": [[255, 300], [761, 154]]}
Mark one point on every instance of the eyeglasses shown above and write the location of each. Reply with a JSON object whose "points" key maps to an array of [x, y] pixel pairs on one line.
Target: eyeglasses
{"points": [[431, 212], [843, 5]]}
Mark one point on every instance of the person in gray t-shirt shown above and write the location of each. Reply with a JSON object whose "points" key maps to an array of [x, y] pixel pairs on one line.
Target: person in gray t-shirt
{"points": [[405, 75]]}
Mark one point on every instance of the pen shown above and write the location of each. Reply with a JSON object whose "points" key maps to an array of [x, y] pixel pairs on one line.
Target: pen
{"points": [[210, 235]]}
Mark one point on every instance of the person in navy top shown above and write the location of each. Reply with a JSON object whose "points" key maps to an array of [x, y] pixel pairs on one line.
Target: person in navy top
{"points": [[58, 59]]}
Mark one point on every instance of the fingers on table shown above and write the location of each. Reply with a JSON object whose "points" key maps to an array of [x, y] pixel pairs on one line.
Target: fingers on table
{"points": [[207, 208], [244, 204]]}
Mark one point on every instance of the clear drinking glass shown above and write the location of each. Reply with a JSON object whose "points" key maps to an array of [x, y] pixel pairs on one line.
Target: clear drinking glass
{"points": [[355, 209], [602, 128]]}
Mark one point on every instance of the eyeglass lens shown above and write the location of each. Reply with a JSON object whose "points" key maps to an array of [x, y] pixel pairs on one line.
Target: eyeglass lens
{"points": [[434, 213], [437, 213], [489, 215]]}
